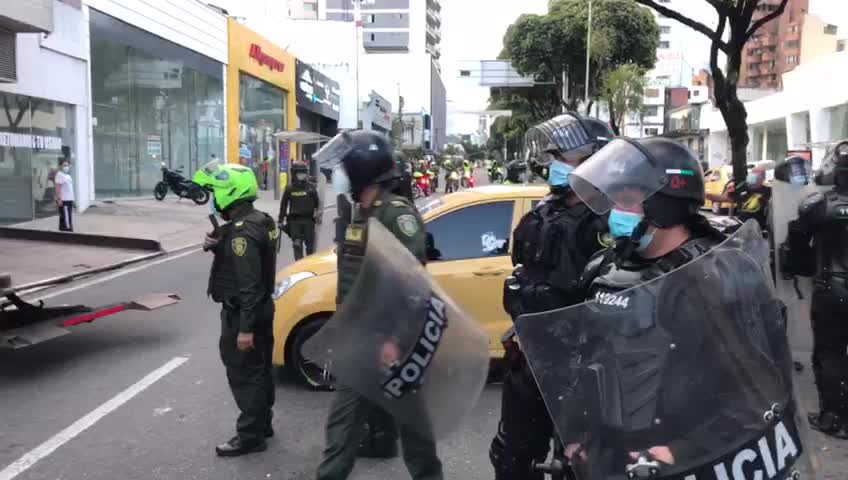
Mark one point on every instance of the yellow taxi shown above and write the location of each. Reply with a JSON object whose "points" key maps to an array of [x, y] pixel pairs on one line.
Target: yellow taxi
{"points": [[472, 232], [716, 179]]}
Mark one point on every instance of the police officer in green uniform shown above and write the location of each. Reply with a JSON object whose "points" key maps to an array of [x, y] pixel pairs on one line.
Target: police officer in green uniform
{"points": [[242, 280], [366, 172], [300, 211]]}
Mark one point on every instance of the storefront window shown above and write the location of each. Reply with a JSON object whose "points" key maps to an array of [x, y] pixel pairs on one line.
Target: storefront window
{"points": [[262, 112], [153, 102], [34, 135]]}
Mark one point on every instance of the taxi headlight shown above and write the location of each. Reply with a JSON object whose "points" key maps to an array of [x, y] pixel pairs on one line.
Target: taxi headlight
{"points": [[289, 282]]}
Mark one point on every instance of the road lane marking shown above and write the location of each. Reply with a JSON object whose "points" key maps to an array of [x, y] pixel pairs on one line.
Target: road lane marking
{"points": [[30, 458], [115, 275]]}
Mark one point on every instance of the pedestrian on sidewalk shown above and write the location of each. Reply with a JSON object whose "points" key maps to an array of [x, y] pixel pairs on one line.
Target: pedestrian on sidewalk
{"points": [[242, 280], [65, 196]]}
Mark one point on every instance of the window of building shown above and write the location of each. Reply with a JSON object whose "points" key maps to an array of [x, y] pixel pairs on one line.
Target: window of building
{"points": [[830, 29], [665, 44], [467, 233], [652, 132], [665, 29], [792, 44], [771, 64], [650, 110], [372, 37], [310, 7], [792, 59], [652, 93], [753, 66], [841, 45], [696, 93]]}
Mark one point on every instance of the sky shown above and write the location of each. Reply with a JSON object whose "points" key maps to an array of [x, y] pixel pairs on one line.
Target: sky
{"points": [[474, 30]]}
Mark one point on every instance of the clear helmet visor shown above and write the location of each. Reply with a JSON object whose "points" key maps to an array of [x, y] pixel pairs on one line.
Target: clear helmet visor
{"points": [[621, 175], [332, 153]]}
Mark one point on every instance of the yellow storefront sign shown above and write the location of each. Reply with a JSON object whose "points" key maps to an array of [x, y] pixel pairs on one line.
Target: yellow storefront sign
{"points": [[253, 57]]}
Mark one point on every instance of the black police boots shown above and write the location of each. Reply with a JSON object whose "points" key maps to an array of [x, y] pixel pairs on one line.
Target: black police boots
{"points": [[236, 447]]}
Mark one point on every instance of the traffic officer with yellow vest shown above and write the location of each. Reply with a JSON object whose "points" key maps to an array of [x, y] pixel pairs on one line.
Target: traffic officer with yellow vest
{"points": [[365, 172], [242, 280], [300, 211]]}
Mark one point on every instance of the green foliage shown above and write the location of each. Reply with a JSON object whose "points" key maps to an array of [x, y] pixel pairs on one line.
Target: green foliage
{"points": [[451, 150], [623, 89], [543, 46]]}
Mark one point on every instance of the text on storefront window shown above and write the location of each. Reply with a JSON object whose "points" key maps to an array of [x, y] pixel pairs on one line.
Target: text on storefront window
{"points": [[25, 140]]}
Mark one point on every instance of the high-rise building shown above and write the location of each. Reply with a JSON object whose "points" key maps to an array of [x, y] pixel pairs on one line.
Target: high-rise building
{"points": [[392, 25], [302, 9], [781, 45]]}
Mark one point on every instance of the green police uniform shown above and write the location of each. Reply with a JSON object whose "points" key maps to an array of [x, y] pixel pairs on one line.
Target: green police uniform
{"points": [[300, 207], [242, 280], [349, 411]]}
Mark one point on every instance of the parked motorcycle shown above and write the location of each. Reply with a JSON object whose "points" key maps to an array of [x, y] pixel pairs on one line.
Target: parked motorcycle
{"points": [[181, 186]]}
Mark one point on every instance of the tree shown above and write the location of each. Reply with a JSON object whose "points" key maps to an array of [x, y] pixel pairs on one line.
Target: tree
{"points": [[623, 89], [546, 46], [738, 16]]}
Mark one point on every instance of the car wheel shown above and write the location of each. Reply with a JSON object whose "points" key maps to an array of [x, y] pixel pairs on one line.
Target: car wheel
{"points": [[160, 190], [314, 376], [716, 208]]}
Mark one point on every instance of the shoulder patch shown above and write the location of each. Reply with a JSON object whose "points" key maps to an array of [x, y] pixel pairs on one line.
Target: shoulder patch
{"points": [[239, 245], [408, 224], [605, 239], [274, 234]]}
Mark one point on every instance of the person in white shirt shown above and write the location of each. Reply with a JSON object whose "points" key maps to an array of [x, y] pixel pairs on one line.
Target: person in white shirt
{"points": [[65, 196]]}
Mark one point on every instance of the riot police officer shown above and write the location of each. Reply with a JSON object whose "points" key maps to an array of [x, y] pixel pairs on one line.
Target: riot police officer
{"points": [[551, 246], [817, 246], [653, 376], [242, 280], [366, 173], [300, 210], [516, 172]]}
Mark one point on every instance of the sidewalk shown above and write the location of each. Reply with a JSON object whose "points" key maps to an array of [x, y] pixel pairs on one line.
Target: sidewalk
{"points": [[175, 224]]}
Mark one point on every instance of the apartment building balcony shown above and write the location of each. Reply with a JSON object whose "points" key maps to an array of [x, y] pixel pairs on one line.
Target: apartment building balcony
{"points": [[768, 56], [434, 17], [435, 4]]}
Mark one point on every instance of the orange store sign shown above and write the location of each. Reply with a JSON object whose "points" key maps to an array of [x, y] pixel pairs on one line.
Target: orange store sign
{"points": [[263, 58]]}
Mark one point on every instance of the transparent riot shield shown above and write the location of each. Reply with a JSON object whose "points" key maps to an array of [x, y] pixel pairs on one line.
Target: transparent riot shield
{"points": [[795, 292], [402, 343], [685, 377]]}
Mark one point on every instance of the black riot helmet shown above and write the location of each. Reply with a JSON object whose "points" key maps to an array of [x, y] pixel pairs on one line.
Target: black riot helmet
{"points": [[795, 170], [568, 137], [840, 173], [663, 175], [516, 171], [299, 171], [365, 157]]}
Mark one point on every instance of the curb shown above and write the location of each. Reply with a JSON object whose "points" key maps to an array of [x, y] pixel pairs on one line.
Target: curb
{"points": [[92, 271], [80, 239]]}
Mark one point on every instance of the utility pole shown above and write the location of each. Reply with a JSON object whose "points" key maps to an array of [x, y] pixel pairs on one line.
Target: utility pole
{"points": [[400, 118], [357, 17], [588, 52]]}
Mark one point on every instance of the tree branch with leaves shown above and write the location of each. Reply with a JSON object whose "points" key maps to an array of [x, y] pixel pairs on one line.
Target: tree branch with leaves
{"points": [[738, 16], [624, 91]]}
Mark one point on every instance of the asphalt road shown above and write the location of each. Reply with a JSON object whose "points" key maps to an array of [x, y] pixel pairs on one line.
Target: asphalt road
{"points": [[65, 416]]}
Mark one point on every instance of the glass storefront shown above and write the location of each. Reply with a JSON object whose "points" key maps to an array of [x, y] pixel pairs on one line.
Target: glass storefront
{"points": [[35, 136], [153, 102], [262, 113]]}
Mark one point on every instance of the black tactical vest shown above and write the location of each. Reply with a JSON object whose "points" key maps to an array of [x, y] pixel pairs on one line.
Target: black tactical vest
{"points": [[223, 287], [545, 243], [302, 200], [831, 239]]}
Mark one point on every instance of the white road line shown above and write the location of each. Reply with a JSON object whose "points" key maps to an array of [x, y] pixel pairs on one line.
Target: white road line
{"points": [[29, 459], [112, 276]]}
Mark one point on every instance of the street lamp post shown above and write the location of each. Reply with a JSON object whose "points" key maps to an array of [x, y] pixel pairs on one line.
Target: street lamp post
{"points": [[588, 52], [357, 17]]}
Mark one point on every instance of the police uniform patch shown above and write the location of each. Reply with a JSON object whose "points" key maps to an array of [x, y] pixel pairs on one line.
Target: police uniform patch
{"points": [[239, 245], [605, 239], [274, 234], [353, 233], [407, 224]]}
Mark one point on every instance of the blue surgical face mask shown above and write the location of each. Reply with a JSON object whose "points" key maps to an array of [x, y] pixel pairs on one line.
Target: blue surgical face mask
{"points": [[66, 169], [341, 182], [559, 173], [752, 179], [645, 241], [622, 224], [798, 180]]}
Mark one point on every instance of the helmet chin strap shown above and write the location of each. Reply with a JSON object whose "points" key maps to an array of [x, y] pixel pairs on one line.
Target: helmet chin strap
{"points": [[627, 246]]}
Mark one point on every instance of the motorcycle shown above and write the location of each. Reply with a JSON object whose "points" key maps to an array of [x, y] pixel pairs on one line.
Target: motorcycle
{"points": [[496, 175], [181, 186], [421, 185], [467, 180], [452, 182], [434, 179]]}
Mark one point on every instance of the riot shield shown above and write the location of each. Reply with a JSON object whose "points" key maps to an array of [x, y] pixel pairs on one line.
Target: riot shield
{"points": [[685, 377], [402, 343]]}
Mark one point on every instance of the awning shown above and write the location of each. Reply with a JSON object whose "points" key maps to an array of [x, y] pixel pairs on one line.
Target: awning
{"points": [[303, 138]]}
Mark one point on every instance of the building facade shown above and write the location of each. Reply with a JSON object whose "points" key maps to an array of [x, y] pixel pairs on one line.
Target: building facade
{"points": [[260, 102], [44, 98], [318, 105]]}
